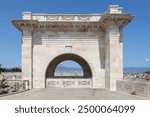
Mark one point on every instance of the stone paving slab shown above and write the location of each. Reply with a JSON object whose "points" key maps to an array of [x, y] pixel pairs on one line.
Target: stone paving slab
{"points": [[71, 94]]}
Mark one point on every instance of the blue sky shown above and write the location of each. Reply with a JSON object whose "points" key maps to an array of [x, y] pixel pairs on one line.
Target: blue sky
{"points": [[136, 34]]}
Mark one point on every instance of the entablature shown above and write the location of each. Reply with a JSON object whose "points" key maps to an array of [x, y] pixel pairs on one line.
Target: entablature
{"points": [[73, 22], [106, 19]]}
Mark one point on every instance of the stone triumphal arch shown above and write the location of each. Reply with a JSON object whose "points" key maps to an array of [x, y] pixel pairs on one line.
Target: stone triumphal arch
{"points": [[92, 40]]}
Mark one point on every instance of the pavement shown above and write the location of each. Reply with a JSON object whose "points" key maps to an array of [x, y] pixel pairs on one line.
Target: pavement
{"points": [[71, 94]]}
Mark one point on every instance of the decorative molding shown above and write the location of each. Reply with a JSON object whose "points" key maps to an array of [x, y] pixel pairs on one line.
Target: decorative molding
{"points": [[84, 18], [51, 18], [33, 25], [116, 19], [65, 18], [73, 24]]}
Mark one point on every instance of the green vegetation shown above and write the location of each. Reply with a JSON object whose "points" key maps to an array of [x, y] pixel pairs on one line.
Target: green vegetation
{"points": [[148, 72], [13, 69], [4, 87]]}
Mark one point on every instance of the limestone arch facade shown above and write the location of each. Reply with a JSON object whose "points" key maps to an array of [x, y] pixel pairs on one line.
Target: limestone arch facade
{"points": [[97, 38]]}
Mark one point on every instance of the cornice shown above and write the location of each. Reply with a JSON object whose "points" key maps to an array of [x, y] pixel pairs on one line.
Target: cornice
{"points": [[34, 25], [116, 19], [70, 24]]}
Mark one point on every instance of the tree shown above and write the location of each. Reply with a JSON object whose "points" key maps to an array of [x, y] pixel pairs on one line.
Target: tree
{"points": [[148, 72], [0, 68]]}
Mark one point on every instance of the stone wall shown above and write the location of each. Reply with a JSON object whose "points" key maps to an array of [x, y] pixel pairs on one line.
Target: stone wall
{"points": [[11, 86], [134, 87], [11, 75]]}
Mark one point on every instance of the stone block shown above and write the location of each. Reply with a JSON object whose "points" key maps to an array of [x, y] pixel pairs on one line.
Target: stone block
{"points": [[134, 87]]}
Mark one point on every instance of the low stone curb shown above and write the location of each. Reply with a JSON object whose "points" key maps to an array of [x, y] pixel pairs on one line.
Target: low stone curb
{"points": [[3, 95]]}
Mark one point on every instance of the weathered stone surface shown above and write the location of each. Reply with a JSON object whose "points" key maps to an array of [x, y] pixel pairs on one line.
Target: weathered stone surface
{"points": [[69, 83], [15, 85], [11, 75], [95, 41], [134, 87]]}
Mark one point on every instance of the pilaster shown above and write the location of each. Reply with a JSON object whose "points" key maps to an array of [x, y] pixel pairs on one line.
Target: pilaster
{"points": [[27, 57], [113, 49], [114, 59]]}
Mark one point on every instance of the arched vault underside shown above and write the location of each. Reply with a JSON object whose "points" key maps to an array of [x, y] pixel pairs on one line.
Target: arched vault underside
{"points": [[87, 73]]}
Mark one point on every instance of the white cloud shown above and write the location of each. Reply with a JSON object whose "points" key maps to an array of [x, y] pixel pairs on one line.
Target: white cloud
{"points": [[147, 59]]}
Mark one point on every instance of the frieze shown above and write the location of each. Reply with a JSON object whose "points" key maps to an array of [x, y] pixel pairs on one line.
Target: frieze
{"points": [[53, 83], [51, 18], [68, 18], [69, 83], [84, 18], [92, 18], [84, 82]]}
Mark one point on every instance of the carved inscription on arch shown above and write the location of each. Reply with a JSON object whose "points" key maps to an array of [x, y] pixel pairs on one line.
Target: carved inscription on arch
{"points": [[69, 83], [66, 18], [84, 83]]}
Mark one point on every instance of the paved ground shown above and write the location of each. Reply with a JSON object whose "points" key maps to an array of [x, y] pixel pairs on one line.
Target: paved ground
{"points": [[70, 94]]}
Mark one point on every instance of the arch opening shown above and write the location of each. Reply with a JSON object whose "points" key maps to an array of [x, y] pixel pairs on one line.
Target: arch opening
{"points": [[57, 65], [68, 68]]}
